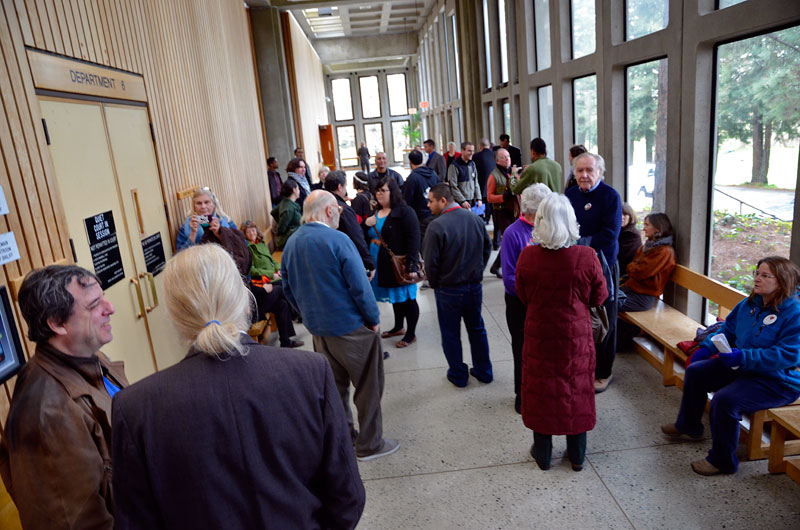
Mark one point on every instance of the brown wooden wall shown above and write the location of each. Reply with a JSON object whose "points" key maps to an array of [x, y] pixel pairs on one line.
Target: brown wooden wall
{"points": [[197, 63]]}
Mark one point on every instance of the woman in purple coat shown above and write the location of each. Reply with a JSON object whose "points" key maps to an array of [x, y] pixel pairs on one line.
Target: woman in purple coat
{"points": [[558, 282]]}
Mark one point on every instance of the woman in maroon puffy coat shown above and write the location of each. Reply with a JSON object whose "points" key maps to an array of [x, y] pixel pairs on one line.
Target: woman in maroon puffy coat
{"points": [[558, 282]]}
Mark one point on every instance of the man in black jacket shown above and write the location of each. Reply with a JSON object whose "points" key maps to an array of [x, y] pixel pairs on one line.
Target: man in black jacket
{"points": [[456, 249], [516, 154], [484, 163], [336, 183], [381, 170], [416, 188]]}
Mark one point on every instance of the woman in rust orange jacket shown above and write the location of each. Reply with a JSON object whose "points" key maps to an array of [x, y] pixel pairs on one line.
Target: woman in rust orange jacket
{"points": [[652, 266]]}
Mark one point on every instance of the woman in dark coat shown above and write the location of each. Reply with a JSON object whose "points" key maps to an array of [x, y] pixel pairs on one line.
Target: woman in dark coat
{"points": [[558, 282], [398, 225], [236, 435], [630, 238]]}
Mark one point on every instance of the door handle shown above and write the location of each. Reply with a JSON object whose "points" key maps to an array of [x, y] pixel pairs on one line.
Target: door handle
{"points": [[151, 278], [142, 309]]}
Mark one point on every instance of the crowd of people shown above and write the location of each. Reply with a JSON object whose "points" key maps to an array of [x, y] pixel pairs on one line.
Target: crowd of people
{"points": [[243, 435]]}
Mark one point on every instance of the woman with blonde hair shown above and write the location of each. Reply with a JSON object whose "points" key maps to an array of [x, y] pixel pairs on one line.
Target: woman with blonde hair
{"points": [[261, 429], [205, 207], [558, 281]]}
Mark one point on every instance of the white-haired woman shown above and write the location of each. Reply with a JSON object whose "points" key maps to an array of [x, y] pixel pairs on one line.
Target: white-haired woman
{"points": [[205, 207], [559, 282], [518, 236], [233, 416]]}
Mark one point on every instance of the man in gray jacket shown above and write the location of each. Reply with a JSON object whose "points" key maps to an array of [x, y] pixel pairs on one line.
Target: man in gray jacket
{"points": [[462, 177]]}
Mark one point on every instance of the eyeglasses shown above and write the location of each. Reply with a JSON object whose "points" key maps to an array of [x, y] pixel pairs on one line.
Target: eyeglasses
{"points": [[381, 190], [764, 275]]}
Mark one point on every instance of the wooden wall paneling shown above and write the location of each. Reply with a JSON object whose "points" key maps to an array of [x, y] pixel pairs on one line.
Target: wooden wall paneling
{"points": [[136, 60], [87, 30], [22, 14], [55, 28], [78, 47], [28, 7], [44, 22], [99, 32], [80, 31], [24, 118], [63, 24], [113, 33], [124, 41], [8, 221]]}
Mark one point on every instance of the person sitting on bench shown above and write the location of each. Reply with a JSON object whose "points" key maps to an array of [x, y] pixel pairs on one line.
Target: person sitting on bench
{"points": [[651, 268]]}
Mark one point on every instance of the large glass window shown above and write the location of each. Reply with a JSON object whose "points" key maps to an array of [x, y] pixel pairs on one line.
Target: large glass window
{"points": [[757, 118], [457, 132], [347, 145], [373, 134], [546, 127], [728, 3], [400, 139], [487, 49], [501, 18], [643, 17], [455, 56], [342, 99], [490, 115], [506, 117], [583, 28], [646, 127], [398, 100], [584, 93], [541, 17], [370, 97]]}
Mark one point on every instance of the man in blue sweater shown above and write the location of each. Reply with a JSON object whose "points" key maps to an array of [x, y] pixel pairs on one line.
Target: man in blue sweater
{"points": [[598, 209], [324, 278]]}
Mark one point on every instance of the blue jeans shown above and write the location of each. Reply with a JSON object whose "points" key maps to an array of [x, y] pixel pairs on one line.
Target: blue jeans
{"points": [[736, 393], [452, 304]]}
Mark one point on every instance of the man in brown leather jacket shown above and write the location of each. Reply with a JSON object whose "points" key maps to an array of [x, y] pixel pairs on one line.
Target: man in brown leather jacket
{"points": [[55, 456]]}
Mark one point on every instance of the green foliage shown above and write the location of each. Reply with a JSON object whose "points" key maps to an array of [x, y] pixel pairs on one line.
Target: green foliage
{"points": [[413, 131]]}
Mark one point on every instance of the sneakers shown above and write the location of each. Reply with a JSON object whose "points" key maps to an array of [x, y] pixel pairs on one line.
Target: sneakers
{"points": [[457, 383], [705, 468], [601, 385], [672, 432], [481, 378], [388, 447]]}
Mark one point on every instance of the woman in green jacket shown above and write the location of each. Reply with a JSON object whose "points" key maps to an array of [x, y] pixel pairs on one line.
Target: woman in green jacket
{"points": [[287, 213], [264, 267]]}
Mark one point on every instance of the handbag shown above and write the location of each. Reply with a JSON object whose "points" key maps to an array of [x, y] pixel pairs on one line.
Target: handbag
{"points": [[401, 274]]}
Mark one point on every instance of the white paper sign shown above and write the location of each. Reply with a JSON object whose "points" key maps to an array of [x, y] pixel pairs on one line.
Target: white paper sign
{"points": [[3, 204], [8, 248]]}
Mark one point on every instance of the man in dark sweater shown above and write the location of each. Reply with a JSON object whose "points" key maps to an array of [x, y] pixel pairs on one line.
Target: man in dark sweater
{"points": [[336, 183], [484, 163], [382, 170], [514, 152], [274, 180], [598, 210], [435, 160], [456, 250], [416, 188]]}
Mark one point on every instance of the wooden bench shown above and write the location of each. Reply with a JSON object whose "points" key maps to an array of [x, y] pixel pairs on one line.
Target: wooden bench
{"points": [[663, 327], [785, 424]]}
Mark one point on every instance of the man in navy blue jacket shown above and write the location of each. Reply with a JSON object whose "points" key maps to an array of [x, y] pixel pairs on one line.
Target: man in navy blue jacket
{"points": [[598, 209], [415, 190], [324, 279]]}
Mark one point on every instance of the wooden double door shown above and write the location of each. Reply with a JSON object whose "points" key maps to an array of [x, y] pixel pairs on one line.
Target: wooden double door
{"points": [[107, 177]]}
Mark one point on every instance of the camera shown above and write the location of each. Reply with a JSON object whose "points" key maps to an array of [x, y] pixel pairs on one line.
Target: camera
{"points": [[203, 220]]}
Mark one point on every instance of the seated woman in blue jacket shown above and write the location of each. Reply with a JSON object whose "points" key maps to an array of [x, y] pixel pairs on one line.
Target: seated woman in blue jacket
{"points": [[761, 371], [205, 206]]}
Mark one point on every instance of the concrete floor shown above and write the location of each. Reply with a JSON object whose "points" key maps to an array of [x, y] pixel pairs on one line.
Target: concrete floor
{"points": [[464, 461]]}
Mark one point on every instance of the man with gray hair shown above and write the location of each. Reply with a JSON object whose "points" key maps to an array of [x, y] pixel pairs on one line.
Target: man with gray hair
{"points": [[324, 280], [598, 210]]}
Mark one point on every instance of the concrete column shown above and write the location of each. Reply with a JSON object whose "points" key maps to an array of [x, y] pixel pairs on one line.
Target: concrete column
{"points": [[272, 76], [467, 20]]}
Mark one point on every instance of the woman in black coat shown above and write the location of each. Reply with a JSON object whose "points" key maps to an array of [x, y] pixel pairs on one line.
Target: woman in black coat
{"points": [[397, 224], [630, 238]]}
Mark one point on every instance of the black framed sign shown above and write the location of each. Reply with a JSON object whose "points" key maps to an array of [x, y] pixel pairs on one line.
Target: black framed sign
{"points": [[153, 249], [104, 246], [11, 357]]}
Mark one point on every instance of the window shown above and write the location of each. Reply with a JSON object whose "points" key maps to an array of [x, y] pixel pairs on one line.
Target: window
{"points": [[506, 117], [487, 50], [757, 118], [458, 133], [583, 28], [646, 129], [584, 94], [643, 17], [400, 139], [398, 100], [546, 127], [347, 145], [490, 112], [370, 98], [541, 17], [728, 3], [342, 99], [457, 91], [501, 18], [373, 134]]}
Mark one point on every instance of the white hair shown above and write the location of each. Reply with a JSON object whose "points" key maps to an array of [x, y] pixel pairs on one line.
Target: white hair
{"points": [[556, 226], [532, 196], [207, 300], [600, 164]]}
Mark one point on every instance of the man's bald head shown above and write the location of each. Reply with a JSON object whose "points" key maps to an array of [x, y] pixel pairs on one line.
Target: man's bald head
{"points": [[320, 205]]}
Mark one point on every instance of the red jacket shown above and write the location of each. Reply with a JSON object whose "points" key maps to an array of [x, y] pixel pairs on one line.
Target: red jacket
{"points": [[558, 358], [650, 270]]}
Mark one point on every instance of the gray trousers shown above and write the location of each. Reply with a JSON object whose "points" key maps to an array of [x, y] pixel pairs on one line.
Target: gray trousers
{"points": [[358, 357]]}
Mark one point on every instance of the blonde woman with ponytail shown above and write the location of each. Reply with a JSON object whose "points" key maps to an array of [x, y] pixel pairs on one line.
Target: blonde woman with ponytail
{"points": [[237, 434]]}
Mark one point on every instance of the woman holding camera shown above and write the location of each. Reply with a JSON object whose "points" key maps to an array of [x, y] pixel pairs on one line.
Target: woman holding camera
{"points": [[759, 372], [205, 206]]}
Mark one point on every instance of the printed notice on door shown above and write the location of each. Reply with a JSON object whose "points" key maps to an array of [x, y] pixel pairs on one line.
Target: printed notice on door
{"points": [[103, 244], [153, 250]]}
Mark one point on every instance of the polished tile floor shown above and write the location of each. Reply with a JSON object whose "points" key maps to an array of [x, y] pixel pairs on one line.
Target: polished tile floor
{"points": [[464, 461]]}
